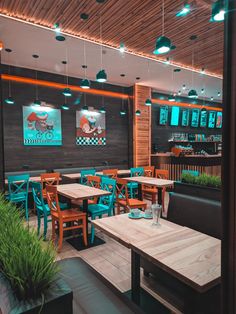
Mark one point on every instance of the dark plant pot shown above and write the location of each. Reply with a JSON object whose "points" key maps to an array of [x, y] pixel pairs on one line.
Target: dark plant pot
{"points": [[58, 299], [197, 191]]}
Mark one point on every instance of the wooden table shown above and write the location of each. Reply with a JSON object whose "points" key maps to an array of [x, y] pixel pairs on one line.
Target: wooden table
{"points": [[190, 257], [77, 176], [82, 192], [159, 183]]}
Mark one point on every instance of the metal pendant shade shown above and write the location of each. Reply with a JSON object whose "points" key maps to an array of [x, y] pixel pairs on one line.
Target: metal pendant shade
{"points": [[193, 94], [9, 100], [67, 92], [85, 84], [148, 102], [101, 76], [218, 11], [163, 45]]}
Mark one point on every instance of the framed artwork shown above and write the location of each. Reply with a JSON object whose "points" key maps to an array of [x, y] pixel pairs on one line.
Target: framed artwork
{"points": [[195, 118], [185, 117], [203, 118], [174, 116], [219, 120], [90, 128], [41, 126], [164, 110], [212, 119]]}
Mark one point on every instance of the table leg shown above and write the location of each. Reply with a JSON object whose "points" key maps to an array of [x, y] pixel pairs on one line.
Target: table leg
{"points": [[135, 277], [85, 210], [159, 195], [140, 192]]}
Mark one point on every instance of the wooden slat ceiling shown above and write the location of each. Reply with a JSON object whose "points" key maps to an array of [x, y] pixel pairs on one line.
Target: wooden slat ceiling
{"points": [[137, 23]]}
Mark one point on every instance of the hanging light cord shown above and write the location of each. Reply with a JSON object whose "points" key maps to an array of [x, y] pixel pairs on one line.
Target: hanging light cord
{"points": [[36, 78], [9, 72], [100, 19], [67, 78], [85, 64], [192, 65], [163, 17]]}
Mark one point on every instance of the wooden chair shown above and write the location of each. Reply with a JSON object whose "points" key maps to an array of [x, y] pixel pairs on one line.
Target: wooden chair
{"points": [[122, 197], [49, 179], [149, 171], [112, 173], [76, 218]]}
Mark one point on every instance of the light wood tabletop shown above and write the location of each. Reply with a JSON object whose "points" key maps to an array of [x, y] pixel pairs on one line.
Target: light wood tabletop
{"points": [[127, 231], [77, 191], [34, 179], [192, 257], [161, 183], [74, 176]]}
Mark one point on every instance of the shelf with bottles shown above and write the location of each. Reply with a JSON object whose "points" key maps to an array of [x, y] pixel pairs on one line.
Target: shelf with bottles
{"points": [[194, 138]]}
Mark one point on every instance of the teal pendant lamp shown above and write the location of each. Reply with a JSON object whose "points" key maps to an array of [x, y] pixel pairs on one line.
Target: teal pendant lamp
{"points": [[138, 113], [122, 112], [218, 11], [184, 11], [193, 94], [66, 91], [65, 107], [163, 43], [101, 76], [148, 102], [85, 108], [85, 84], [102, 110], [37, 103], [171, 98], [9, 100]]}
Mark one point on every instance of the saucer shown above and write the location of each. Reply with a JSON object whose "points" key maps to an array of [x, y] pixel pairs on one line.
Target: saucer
{"points": [[135, 217], [147, 216]]}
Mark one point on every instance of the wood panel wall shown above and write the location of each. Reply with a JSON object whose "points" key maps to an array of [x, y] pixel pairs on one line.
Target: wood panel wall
{"points": [[17, 156], [141, 126]]}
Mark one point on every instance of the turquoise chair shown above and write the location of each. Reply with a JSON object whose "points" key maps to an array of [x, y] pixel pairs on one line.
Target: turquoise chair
{"points": [[85, 173], [43, 209], [18, 187], [133, 186], [192, 172], [105, 204]]}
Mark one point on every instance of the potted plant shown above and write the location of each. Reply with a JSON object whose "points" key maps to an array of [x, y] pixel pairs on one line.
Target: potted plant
{"points": [[202, 186], [29, 276]]}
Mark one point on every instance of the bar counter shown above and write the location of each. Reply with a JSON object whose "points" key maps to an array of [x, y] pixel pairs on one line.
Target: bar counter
{"points": [[210, 164]]}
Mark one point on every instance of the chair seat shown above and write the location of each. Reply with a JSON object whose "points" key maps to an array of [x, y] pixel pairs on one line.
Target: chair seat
{"points": [[132, 202], [18, 197], [70, 213], [149, 190], [97, 208]]}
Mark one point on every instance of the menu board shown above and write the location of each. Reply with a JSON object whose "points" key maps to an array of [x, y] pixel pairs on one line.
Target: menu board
{"points": [[163, 115], [195, 118], [219, 120], [203, 119], [185, 117], [174, 116], [212, 119]]}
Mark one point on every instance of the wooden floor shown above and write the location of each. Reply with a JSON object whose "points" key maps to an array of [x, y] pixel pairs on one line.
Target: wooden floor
{"points": [[111, 259]]}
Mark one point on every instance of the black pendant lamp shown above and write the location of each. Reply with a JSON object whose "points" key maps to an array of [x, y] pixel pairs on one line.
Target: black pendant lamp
{"points": [[101, 76], [85, 83], [9, 100], [66, 91], [37, 102], [193, 93], [163, 43]]}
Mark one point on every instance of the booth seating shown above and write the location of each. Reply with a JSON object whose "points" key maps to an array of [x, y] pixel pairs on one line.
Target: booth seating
{"points": [[92, 293]]}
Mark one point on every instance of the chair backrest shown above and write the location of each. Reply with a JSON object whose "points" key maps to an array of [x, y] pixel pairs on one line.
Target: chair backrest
{"points": [[108, 184], [94, 181], [121, 189], [136, 172], [162, 174], [113, 173], [18, 184], [149, 171], [192, 172], [38, 195], [49, 179], [52, 199], [85, 173]]}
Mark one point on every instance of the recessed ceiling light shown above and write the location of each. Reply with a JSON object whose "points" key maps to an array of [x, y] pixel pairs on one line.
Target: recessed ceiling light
{"points": [[177, 70], [122, 75], [137, 78], [60, 38], [100, 1]]}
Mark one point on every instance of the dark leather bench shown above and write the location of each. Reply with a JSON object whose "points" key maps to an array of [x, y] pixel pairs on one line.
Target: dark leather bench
{"points": [[200, 214], [92, 294]]}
